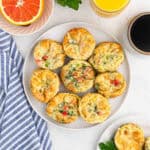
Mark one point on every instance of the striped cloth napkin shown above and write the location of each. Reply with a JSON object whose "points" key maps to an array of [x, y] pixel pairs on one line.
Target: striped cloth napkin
{"points": [[20, 127]]}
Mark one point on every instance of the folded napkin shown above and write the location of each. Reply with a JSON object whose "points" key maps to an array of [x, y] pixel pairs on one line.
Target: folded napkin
{"points": [[20, 127]]}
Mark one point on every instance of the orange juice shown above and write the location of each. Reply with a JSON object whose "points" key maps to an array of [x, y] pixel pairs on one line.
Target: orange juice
{"points": [[109, 7]]}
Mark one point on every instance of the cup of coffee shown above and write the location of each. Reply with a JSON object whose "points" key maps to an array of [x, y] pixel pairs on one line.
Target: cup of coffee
{"points": [[139, 33]]}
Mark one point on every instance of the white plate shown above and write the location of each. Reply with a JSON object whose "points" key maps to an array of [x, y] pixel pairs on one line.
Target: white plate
{"points": [[57, 33], [143, 122]]}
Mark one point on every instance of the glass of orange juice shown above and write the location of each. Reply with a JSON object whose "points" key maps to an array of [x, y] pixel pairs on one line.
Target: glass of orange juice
{"points": [[108, 8]]}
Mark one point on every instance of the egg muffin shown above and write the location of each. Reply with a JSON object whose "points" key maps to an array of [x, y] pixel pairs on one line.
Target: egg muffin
{"points": [[63, 108], [78, 76], [110, 84], [94, 108], [49, 54], [129, 137], [79, 44], [147, 144], [44, 84], [107, 57]]}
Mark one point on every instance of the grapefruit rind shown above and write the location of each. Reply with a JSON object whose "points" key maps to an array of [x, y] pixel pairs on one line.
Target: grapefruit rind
{"points": [[20, 23]]}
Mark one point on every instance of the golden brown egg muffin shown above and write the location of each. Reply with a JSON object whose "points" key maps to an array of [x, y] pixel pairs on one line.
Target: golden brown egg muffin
{"points": [[44, 85], [94, 108], [107, 57], [129, 137], [147, 144], [79, 44], [110, 84], [49, 54], [78, 76], [63, 108]]}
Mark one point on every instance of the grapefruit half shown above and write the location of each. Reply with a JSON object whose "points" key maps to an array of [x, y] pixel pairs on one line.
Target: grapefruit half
{"points": [[21, 12]]}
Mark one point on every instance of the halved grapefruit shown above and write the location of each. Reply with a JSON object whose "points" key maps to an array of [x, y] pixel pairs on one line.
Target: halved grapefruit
{"points": [[21, 12]]}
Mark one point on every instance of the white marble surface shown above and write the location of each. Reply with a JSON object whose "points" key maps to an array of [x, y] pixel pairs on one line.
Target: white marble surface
{"points": [[138, 99]]}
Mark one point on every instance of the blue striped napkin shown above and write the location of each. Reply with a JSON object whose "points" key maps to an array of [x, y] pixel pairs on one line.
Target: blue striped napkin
{"points": [[20, 127]]}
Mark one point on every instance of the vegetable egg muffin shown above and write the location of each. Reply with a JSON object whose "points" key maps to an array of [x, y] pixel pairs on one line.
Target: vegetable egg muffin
{"points": [[63, 108], [79, 44], [110, 84], [129, 137], [49, 54], [94, 108], [107, 57], [78, 76], [147, 144], [44, 84]]}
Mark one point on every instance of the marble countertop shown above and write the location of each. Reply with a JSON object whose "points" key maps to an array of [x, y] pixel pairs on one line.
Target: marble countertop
{"points": [[138, 99]]}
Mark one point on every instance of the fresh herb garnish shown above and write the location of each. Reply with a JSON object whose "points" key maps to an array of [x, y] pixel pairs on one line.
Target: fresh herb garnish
{"points": [[109, 145], [74, 4]]}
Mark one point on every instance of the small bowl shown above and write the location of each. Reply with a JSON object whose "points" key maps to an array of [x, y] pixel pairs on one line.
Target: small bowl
{"points": [[129, 31], [34, 27]]}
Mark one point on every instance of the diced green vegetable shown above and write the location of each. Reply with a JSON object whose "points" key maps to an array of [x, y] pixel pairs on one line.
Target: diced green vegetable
{"points": [[70, 112], [104, 62], [47, 63], [61, 111], [76, 84], [95, 108], [84, 67]]}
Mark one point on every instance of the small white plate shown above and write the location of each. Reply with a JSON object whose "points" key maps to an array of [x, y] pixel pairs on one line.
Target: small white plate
{"points": [[142, 121], [57, 33]]}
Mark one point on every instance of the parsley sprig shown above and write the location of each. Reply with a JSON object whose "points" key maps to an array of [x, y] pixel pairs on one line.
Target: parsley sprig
{"points": [[74, 4], [109, 145]]}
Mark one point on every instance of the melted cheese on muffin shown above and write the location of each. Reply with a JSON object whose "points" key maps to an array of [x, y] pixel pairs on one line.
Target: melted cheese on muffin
{"points": [[63, 108], [94, 108], [44, 85], [110, 84], [79, 44], [78, 76], [107, 57], [147, 144], [129, 137], [49, 54]]}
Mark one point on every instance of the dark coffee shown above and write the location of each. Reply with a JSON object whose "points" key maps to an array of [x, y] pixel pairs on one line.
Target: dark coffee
{"points": [[140, 33]]}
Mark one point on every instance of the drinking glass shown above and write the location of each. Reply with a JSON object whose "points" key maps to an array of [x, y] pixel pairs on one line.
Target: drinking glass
{"points": [[109, 8]]}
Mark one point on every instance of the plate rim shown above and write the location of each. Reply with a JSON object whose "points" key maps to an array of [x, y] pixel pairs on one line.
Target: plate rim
{"points": [[122, 118], [98, 28]]}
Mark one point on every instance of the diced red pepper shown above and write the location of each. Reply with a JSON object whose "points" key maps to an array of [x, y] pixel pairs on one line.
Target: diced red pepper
{"points": [[45, 57], [99, 113], [64, 113], [65, 108], [115, 82], [88, 69], [75, 74], [37, 60], [81, 79]]}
